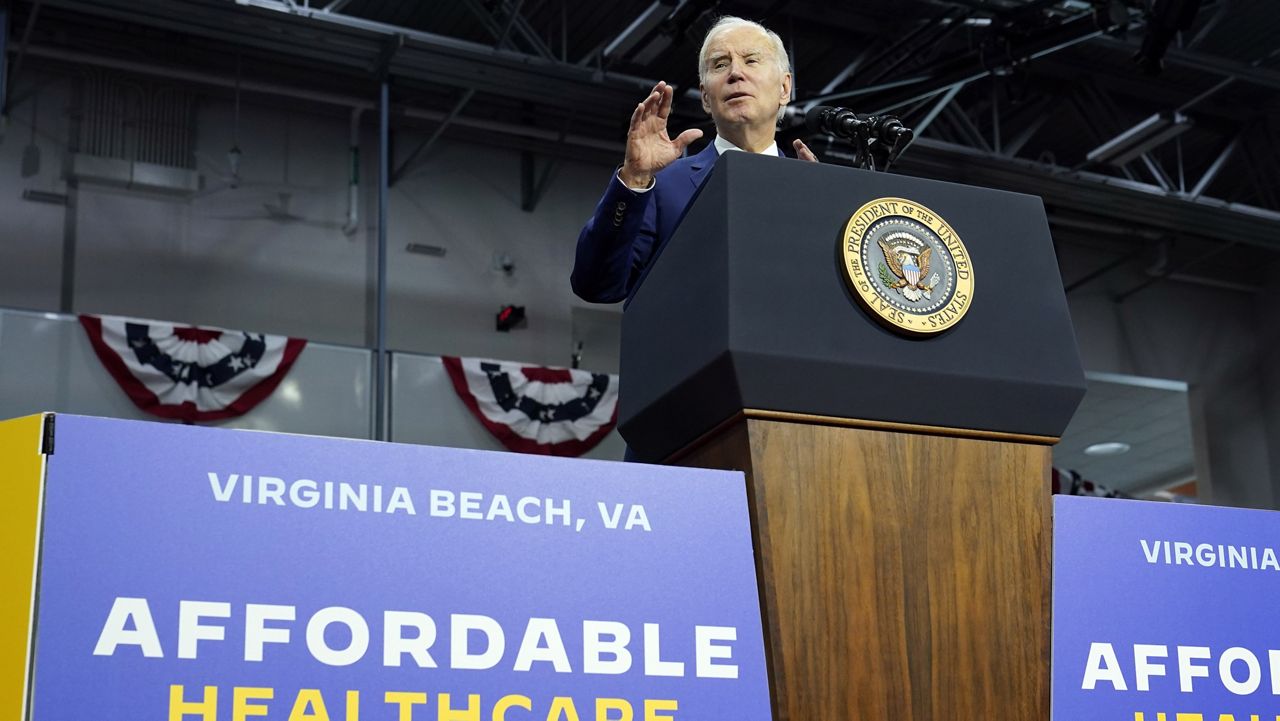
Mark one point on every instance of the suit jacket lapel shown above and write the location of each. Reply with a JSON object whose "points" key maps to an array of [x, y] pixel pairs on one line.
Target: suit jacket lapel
{"points": [[706, 159], [702, 164]]}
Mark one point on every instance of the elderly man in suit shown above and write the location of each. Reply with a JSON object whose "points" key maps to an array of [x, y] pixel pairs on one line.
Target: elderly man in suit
{"points": [[745, 78]]}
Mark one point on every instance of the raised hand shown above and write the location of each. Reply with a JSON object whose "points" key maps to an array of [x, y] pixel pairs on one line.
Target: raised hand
{"points": [[650, 147], [803, 152]]}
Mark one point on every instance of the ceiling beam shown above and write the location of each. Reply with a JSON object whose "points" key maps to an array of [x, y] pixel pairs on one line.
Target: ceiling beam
{"points": [[1042, 112], [937, 108], [501, 27], [426, 57], [22, 53], [407, 167], [968, 66], [1215, 167], [1248, 72], [1131, 203]]}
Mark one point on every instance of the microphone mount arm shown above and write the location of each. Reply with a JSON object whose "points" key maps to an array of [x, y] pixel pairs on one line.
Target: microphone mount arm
{"points": [[868, 134]]}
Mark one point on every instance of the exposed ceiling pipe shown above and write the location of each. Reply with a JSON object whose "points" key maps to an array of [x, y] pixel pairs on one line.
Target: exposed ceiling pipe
{"points": [[1250, 72], [1160, 269], [448, 60], [1093, 226], [1214, 283], [353, 194], [963, 68], [348, 101]]}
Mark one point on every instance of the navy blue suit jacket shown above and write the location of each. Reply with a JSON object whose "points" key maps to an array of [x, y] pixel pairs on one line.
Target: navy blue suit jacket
{"points": [[629, 229]]}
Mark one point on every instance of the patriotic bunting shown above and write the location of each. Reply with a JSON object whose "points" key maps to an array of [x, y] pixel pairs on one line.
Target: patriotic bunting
{"points": [[187, 373], [529, 409]]}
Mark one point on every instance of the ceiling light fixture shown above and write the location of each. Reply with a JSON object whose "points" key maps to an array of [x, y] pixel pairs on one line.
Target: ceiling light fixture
{"points": [[1110, 448]]}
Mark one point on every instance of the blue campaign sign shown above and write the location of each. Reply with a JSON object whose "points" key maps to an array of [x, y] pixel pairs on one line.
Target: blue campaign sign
{"points": [[1163, 612], [191, 573]]}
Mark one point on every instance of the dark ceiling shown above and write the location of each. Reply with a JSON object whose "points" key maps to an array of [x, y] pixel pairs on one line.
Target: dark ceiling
{"points": [[1006, 93]]}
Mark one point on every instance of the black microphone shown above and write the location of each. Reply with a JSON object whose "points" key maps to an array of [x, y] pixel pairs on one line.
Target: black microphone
{"points": [[862, 130], [845, 123], [890, 131], [887, 128], [840, 122]]}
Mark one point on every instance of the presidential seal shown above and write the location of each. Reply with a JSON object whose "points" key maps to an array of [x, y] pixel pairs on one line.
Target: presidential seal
{"points": [[906, 266]]}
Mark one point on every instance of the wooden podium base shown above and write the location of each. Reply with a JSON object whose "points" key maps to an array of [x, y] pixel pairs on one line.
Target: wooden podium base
{"points": [[903, 575]]}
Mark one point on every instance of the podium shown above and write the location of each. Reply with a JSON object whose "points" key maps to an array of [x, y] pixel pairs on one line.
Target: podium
{"points": [[898, 484]]}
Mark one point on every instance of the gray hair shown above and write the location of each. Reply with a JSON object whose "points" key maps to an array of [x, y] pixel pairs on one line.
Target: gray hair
{"points": [[729, 22]]}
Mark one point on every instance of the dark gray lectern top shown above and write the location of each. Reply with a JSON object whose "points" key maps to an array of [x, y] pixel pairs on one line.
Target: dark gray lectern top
{"points": [[747, 308]]}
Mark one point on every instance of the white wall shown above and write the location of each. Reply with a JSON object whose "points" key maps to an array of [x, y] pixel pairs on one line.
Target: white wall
{"points": [[221, 258], [467, 199]]}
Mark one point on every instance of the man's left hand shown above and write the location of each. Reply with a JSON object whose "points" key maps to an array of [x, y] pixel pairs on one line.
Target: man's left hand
{"points": [[803, 152]]}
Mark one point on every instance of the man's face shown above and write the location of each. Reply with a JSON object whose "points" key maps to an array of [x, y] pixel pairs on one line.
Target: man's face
{"points": [[743, 84]]}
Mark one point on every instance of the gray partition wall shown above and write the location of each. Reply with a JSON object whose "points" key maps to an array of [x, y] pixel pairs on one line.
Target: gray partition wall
{"points": [[426, 409], [47, 364]]}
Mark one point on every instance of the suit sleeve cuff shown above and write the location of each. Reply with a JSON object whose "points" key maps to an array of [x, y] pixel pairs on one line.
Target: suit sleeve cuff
{"points": [[618, 175]]}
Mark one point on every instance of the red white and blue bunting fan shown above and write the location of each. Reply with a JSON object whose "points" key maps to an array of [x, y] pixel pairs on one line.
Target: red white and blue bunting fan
{"points": [[531, 409], [187, 373]]}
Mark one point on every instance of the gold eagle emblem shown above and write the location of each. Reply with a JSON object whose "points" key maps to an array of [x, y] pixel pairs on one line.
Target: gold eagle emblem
{"points": [[920, 281], [910, 266]]}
